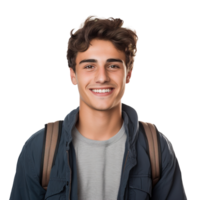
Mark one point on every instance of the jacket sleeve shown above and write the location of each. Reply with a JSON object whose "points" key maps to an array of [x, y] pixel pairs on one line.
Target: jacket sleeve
{"points": [[26, 185], [170, 185]]}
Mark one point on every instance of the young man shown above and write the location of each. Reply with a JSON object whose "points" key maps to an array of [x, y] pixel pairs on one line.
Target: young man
{"points": [[102, 154]]}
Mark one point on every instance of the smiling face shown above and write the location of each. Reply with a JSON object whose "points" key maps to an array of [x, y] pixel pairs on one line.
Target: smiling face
{"points": [[100, 66]]}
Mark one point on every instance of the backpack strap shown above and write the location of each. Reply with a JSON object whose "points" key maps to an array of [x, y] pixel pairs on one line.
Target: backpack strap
{"points": [[154, 150], [52, 138]]}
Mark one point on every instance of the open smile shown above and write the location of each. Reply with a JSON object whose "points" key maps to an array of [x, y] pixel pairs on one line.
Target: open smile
{"points": [[102, 94]]}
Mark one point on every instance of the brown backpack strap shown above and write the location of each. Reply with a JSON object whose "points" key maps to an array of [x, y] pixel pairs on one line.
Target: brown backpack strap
{"points": [[154, 150], [52, 132]]}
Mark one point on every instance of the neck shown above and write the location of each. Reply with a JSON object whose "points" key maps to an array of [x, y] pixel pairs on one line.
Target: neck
{"points": [[99, 124]]}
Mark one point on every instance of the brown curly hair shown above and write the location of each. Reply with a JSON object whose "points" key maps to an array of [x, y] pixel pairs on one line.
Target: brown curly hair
{"points": [[107, 29]]}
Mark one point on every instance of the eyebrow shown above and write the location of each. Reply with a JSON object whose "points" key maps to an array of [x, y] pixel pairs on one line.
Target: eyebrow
{"points": [[108, 60]]}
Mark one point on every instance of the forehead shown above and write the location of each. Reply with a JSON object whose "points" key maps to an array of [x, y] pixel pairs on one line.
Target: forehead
{"points": [[101, 48]]}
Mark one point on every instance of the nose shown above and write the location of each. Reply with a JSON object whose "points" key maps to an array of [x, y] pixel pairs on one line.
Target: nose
{"points": [[102, 75]]}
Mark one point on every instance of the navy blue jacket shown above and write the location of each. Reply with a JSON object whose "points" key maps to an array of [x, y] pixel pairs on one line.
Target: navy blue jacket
{"points": [[135, 182]]}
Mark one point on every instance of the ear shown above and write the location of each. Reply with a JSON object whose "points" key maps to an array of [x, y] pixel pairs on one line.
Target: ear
{"points": [[73, 76], [128, 76]]}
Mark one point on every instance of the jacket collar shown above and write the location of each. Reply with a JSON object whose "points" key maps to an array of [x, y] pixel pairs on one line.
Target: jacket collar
{"points": [[131, 125]]}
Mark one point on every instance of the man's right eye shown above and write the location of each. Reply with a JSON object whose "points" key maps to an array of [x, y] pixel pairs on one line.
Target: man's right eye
{"points": [[87, 66]]}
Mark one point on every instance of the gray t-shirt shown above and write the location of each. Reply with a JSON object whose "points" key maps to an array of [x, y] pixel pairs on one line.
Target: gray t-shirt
{"points": [[99, 165]]}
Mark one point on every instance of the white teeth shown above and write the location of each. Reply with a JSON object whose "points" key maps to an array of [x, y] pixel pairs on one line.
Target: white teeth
{"points": [[102, 91]]}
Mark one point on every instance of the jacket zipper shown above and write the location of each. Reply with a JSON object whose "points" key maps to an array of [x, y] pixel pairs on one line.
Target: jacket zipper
{"points": [[70, 175], [124, 168], [126, 160]]}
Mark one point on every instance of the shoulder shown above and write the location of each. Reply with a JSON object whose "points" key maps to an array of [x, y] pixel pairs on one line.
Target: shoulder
{"points": [[168, 155], [32, 152], [166, 145], [166, 149], [36, 139]]}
